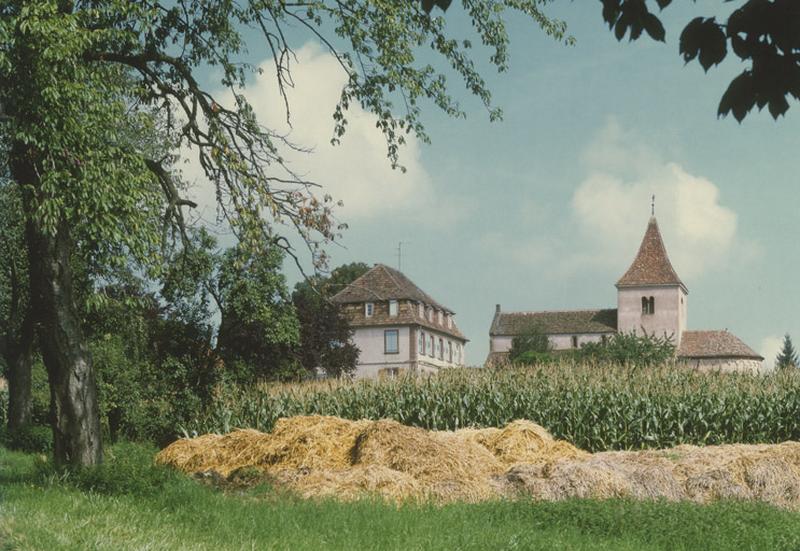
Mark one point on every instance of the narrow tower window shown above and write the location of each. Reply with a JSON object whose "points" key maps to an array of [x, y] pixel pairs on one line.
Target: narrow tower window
{"points": [[648, 305], [652, 305]]}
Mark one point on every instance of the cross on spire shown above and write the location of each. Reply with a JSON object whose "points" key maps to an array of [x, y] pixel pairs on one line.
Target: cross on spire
{"points": [[653, 206]]}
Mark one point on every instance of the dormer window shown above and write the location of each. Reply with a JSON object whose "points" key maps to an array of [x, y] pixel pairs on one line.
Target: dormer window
{"points": [[648, 305], [421, 310], [449, 321], [369, 309], [393, 307], [441, 317]]}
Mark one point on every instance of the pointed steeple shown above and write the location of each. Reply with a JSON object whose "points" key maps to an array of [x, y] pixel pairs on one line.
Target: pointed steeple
{"points": [[651, 265]]}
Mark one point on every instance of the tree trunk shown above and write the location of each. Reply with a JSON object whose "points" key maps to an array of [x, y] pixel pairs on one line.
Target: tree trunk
{"points": [[73, 388], [19, 358]]}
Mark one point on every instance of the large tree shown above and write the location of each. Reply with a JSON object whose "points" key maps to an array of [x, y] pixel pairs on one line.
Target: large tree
{"points": [[325, 333], [16, 323], [763, 34], [73, 73], [258, 326]]}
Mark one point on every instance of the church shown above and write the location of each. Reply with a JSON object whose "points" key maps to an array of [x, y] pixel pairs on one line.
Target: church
{"points": [[651, 299]]}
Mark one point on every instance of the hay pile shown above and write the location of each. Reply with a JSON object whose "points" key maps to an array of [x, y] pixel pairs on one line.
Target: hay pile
{"points": [[316, 456]]}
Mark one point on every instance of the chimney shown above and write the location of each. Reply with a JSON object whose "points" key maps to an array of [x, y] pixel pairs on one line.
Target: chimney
{"points": [[496, 308]]}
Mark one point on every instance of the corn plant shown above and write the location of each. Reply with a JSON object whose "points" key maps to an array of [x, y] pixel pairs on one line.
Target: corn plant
{"points": [[593, 405]]}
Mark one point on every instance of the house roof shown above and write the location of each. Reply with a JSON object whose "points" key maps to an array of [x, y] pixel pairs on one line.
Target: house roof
{"points": [[651, 265], [714, 344], [409, 317], [552, 323], [385, 283]]}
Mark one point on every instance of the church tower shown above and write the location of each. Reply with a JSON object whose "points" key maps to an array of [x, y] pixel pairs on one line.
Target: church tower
{"points": [[650, 295]]}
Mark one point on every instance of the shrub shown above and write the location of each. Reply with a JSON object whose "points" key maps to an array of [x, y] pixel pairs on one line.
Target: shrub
{"points": [[630, 349], [532, 343], [32, 439], [128, 469]]}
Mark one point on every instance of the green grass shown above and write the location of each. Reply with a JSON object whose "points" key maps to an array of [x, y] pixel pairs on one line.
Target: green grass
{"points": [[40, 509]]}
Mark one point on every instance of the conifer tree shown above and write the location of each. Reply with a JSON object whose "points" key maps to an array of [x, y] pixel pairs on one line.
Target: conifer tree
{"points": [[787, 357]]}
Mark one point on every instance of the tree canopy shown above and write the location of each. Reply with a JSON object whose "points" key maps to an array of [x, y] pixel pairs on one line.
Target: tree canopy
{"points": [[763, 34], [787, 357], [77, 75]]}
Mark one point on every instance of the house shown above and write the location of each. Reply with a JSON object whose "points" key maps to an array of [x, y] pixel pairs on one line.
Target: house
{"points": [[399, 328], [651, 299]]}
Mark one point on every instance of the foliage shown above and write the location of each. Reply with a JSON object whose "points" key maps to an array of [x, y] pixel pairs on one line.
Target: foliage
{"points": [[3, 406], [31, 439], [13, 269], [532, 341], [128, 469], [259, 325], [325, 334], [50, 513], [594, 405], [764, 35], [83, 85], [630, 349], [787, 357], [153, 370], [115, 61]]}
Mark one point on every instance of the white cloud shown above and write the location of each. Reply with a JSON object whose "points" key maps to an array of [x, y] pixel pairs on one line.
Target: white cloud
{"points": [[611, 206], [769, 348], [357, 171]]}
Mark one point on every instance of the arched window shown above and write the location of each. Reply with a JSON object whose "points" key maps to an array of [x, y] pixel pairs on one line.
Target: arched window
{"points": [[652, 305], [645, 306]]}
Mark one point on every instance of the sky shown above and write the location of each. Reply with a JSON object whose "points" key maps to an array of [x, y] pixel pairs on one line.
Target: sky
{"points": [[545, 209]]}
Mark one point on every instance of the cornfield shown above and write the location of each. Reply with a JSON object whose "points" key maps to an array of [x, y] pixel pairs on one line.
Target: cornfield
{"points": [[596, 407]]}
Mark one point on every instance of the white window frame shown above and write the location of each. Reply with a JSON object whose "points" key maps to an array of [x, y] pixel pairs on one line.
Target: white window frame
{"points": [[421, 343], [369, 309], [386, 333], [394, 308]]}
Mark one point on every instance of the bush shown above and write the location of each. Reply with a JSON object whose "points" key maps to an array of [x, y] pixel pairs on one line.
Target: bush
{"points": [[128, 469], [533, 343], [33, 439], [630, 349]]}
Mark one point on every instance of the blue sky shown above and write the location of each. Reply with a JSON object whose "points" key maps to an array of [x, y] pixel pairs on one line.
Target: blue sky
{"points": [[545, 209]]}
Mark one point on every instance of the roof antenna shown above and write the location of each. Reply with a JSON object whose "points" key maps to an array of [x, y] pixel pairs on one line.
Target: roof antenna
{"points": [[653, 206], [400, 254]]}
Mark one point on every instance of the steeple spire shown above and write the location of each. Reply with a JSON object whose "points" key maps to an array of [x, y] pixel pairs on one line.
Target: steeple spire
{"points": [[651, 265]]}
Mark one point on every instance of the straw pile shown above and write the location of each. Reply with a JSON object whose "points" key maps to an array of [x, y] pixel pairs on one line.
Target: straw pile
{"points": [[317, 456]]}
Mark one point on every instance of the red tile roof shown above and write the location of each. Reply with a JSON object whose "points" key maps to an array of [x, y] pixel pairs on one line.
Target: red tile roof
{"points": [[714, 344], [384, 283], [651, 265]]}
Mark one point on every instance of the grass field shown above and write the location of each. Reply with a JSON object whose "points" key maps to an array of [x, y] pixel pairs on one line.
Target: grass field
{"points": [[130, 505]]}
